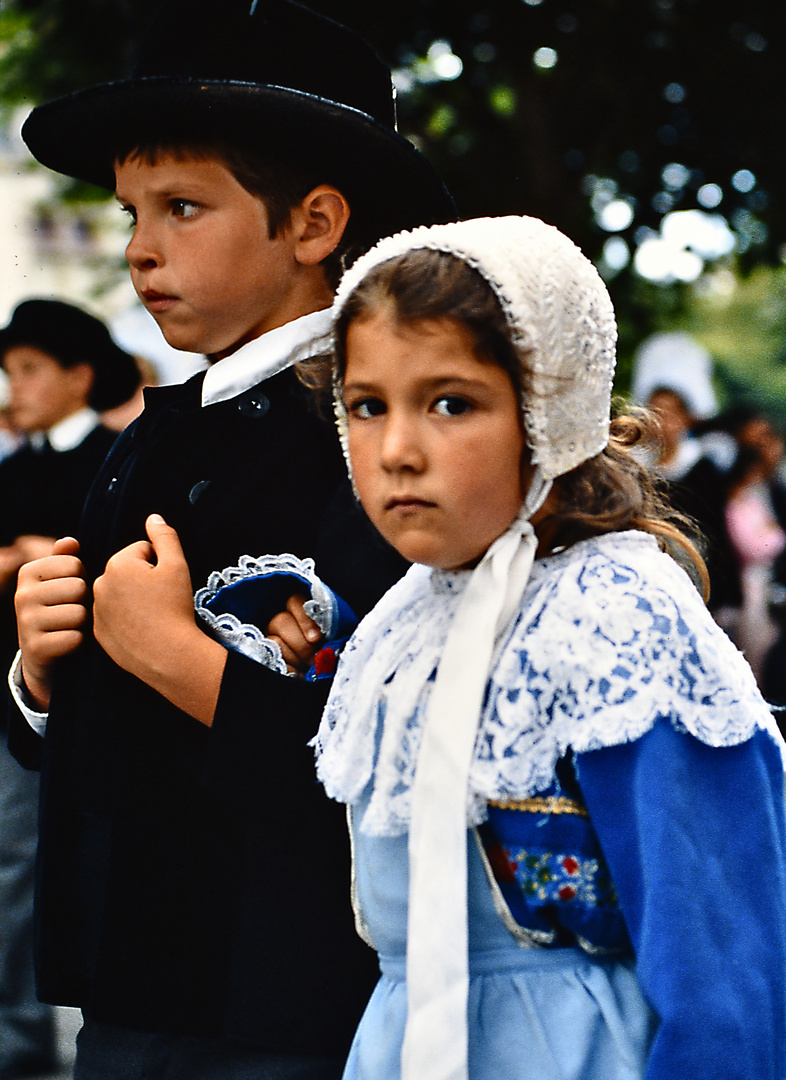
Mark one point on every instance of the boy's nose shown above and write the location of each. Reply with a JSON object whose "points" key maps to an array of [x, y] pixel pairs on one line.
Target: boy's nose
{"points": [[141, 251]]}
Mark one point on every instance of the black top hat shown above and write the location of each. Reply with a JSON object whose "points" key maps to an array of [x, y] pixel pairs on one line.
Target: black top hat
{"points": [[71, 336], [269, 74]]}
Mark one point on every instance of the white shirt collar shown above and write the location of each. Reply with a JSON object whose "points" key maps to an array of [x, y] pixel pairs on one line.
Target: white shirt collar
{"points": [[69, 433], [688, 453], [266, 356]]}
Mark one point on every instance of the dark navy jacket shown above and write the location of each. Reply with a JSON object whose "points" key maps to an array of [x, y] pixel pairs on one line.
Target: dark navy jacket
{"points": [[195, 879]]}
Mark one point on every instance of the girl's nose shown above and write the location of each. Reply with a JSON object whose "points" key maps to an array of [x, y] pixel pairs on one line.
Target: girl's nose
{"points": [[402, 445]]}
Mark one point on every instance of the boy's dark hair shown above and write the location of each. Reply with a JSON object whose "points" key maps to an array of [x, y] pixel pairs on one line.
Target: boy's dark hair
{"points": [[610, 492]]}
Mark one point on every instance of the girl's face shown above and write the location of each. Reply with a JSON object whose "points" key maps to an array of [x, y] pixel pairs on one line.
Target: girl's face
{"points": [[435, 438]]}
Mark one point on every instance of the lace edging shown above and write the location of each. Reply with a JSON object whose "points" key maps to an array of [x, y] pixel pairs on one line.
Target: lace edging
{"points": [[245, 637], [612, 638]]}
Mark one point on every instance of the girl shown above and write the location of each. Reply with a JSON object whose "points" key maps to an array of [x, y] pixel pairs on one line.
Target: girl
{"points": [[565, 791]]}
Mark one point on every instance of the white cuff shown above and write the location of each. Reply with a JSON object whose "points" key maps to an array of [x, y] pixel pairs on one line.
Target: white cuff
{"points": [[20, 694]]}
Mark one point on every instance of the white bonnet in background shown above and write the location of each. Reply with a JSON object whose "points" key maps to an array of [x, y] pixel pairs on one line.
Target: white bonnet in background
{"points": [[675, 361], [560, 317]]}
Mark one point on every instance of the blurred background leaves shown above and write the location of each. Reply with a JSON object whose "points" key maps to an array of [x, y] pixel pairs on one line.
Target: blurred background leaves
{"points": [[648, 130]]}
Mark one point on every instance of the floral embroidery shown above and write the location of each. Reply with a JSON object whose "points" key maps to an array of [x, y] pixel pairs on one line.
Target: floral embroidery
{"points": [[545, 877]]}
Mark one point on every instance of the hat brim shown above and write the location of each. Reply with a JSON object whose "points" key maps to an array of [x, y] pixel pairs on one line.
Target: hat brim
{"points": [[389, 184]]}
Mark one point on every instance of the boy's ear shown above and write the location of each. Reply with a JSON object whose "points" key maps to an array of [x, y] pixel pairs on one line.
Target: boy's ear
{"points": [[319, 222], [82, 377]]}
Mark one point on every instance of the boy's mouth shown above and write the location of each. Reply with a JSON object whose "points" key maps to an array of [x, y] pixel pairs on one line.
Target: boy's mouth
{"points": [[156, 301]]}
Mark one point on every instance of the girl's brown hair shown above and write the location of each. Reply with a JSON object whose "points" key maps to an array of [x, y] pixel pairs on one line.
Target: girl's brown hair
{"points": [[610, 492]]}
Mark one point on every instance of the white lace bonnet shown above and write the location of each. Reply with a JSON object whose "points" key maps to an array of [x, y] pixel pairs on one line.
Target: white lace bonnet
{"points": [[560, 317], [562, 322]]}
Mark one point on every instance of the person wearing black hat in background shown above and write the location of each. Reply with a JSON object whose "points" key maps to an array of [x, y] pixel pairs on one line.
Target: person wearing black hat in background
{"points": [[191, 877], [62, 367]]}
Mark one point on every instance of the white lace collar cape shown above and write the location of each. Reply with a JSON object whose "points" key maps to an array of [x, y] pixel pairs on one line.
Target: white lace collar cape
{"points": [[611, 636]]}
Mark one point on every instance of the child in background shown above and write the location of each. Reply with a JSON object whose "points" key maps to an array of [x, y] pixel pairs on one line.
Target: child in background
{"points": [[63, 368], [566, 791], [191, 873]]}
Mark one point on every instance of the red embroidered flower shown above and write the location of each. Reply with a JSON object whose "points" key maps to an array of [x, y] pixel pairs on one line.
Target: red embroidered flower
{"points": [[501, 863], [325, 661], [567, 892], [570, 865]]}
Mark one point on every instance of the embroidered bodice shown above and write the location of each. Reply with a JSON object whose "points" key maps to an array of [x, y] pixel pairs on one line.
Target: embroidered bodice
{"points": [[611, 636]]}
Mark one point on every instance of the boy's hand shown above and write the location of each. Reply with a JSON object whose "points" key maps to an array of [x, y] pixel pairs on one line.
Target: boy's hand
{"points": [[33, 547], [297, 635], [23, 550], [50, 612], [144, 587], [143, 617], [10, 561]]}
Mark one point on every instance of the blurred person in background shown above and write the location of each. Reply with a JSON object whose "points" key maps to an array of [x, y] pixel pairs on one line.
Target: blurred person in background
{"points": [[756, 522], [672, 376], [10, 437], [118, 417], [62, 369]]}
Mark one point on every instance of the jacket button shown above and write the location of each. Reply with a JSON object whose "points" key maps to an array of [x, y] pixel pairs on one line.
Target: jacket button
{"points": [[253, 406], [197, 490]]}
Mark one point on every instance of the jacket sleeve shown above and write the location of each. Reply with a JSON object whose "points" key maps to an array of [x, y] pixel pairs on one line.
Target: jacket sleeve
{"points": [[261, 730], [265, 720], [694, 838], [23, 743]]}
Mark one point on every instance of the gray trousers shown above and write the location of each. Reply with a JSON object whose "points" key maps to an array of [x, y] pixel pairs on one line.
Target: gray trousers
{"points": [[104, 1052], [27, 1028]]}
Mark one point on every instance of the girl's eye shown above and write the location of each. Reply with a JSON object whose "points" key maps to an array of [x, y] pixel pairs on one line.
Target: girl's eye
{"points": [[365, 408], [451, 405]]}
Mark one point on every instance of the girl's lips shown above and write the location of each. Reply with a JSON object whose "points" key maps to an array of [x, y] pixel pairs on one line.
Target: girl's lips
{"points": [[408, 502]]}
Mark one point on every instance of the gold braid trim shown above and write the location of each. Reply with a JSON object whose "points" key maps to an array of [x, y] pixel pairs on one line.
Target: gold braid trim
{"points": [[553, 804]]}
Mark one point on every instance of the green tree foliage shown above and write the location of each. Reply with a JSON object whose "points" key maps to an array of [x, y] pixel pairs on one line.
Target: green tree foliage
{"points": [[550, 94], [743, 324], [51, 47], [603, 117]]}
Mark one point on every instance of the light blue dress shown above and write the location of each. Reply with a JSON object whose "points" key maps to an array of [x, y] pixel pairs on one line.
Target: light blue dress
{"points": [[534, 1013], [628, 787]]}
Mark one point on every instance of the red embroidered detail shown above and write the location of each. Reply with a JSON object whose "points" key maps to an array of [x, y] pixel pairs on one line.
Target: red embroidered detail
{"points": [[502, 865], [325, 661], [548, 877]]}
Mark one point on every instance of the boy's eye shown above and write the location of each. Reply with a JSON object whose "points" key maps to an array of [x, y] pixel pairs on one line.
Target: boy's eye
{"points": [[451, 405], [130, 213], [365, 408], [184, 208]]}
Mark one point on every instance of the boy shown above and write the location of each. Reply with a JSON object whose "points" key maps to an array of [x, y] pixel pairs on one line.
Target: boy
{"points": [[62, 366], [191, 880]]}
